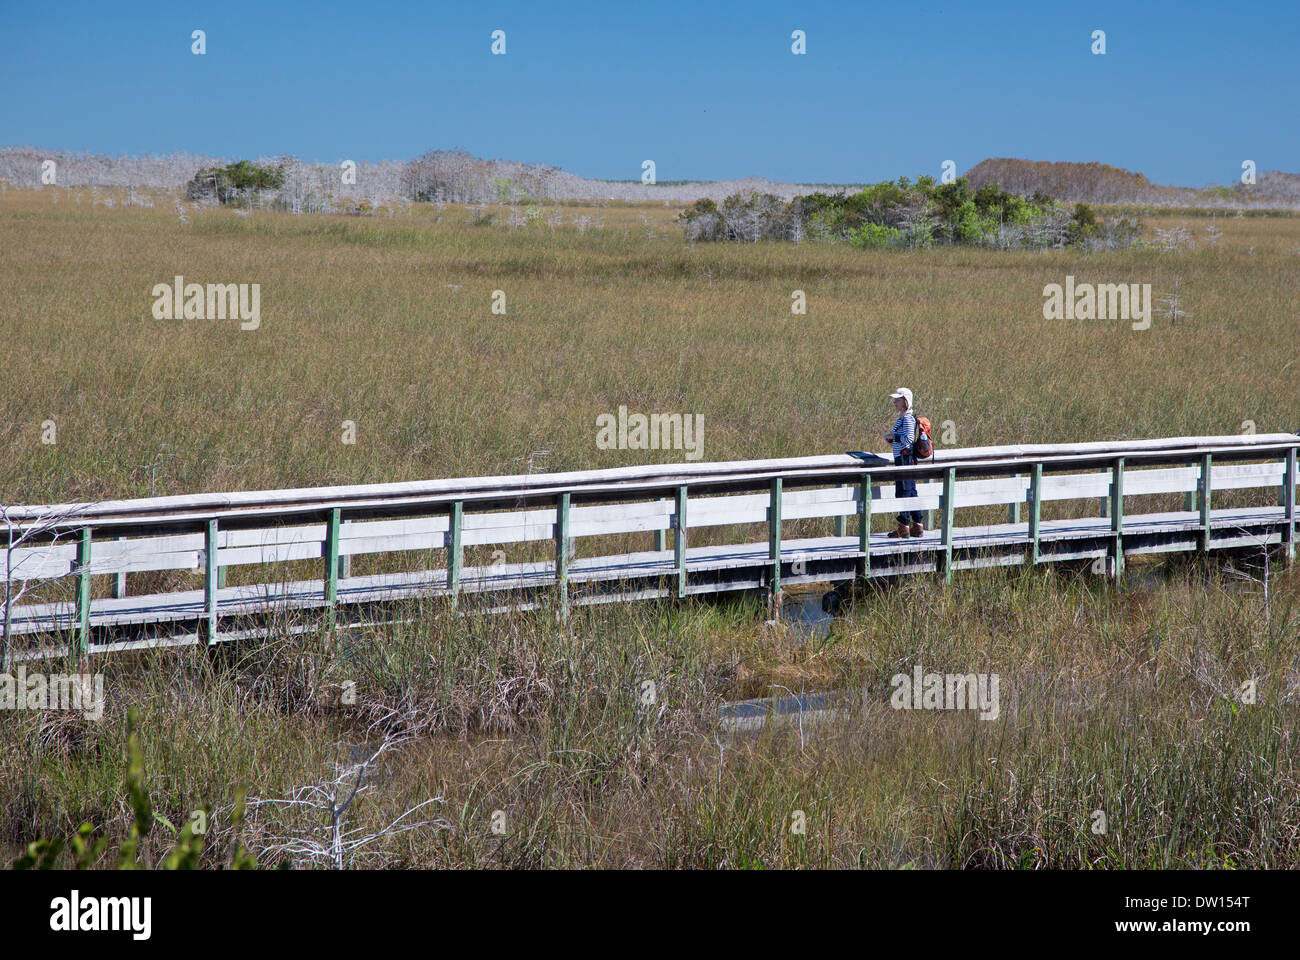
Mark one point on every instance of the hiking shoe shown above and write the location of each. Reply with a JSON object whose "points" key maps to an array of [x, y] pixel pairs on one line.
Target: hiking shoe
{"points": [[917, 530], [903, 531]]}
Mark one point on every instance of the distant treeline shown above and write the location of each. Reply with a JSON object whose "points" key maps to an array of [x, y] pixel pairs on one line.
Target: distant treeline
{"points": [[450, 176], [454, 176], [1102, 183], [906, 213]]}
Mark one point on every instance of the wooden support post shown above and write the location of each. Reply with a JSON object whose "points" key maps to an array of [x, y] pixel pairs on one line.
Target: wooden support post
{"points": [[679, 541], [210, 583], [330, 551], [842, 522], [455, 553], [1288, 506], [774, 546], [1117, 515], [1013, 511], [221, 578], [83, 592], [1035, 510], [562, 552], [119, 582], [864, 526], [1104, 507], [945, 519], [1206, 463], [661, 536]]}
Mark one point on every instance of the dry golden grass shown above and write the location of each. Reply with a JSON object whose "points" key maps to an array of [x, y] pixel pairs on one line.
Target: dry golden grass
{"points": [[360, 322], [1110, 696], [1109, 701]]}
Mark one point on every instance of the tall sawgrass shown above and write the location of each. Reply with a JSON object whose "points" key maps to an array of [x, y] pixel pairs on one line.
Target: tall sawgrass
{"points": [[1123, 701], [388, 323]]}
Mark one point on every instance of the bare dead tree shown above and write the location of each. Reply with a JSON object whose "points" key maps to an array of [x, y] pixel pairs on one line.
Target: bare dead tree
{"points": [[331, 842], [1262, 579], [1173, 239], [1172, 304], [1212, 232], [915, 217]]}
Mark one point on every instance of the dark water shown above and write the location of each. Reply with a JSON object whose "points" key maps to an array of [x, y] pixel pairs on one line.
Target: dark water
{"points": [[750, 715], [804, 615]]}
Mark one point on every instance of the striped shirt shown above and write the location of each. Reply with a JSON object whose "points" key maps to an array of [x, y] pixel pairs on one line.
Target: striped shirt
{"points": [[904, 433]]}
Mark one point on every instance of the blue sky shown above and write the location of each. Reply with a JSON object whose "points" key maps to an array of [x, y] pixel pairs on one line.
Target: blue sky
{"points": [[1185, 92]]}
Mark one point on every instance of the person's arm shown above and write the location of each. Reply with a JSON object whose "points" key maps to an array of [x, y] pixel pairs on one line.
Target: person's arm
{"points": [[889, 437]]}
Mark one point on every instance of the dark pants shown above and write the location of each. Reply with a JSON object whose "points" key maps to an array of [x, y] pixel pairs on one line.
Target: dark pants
{"points": [[906, 488]]}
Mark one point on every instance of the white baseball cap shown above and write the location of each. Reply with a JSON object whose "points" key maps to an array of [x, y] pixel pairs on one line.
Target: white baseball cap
{"points": [[903, 392]]}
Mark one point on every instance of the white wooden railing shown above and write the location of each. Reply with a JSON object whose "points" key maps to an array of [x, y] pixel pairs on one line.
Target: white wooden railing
{"points": [[211, 532]]}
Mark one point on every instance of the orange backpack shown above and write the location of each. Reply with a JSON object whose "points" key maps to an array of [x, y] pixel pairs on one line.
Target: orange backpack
{"points": [[922, 446]]}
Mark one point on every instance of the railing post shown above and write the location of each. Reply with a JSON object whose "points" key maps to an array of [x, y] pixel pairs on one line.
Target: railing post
{"points": [[210, 584], [1035, 510], [661, 535], [679, 541], [330, 551], [1117, 514], [945, 518], [455, 553], [842, 522], [1206, 463], [83, 591], [119, 581], [864, 525], [774, 546], [1288, 505], [562, 552]]}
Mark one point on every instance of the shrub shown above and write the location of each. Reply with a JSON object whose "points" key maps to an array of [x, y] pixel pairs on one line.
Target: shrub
{"points": [[970, 229], [701, 221], [234, 181], [1117, 232], [874, 235], [1082, 224], [760, 216], [900, 212]]}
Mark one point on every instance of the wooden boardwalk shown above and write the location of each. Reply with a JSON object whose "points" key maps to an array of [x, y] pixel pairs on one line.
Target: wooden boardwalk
{"points": [[204, 534]]}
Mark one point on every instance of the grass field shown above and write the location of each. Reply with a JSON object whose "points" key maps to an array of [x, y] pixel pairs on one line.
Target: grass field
{"points": [[1114, 699], [388, 323]]}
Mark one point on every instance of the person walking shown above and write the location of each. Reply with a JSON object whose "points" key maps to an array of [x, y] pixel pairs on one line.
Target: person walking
{"points": [[902, 437]]}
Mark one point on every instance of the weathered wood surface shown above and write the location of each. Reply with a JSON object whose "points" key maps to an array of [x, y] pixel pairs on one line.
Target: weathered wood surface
{"points": [[619, 480]]}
